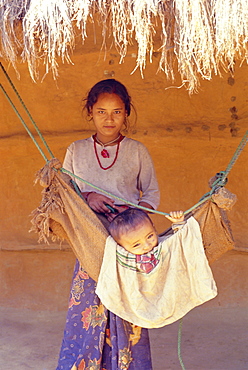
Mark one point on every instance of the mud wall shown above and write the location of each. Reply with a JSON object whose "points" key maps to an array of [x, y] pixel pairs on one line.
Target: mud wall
{"points": [[190, 137]]}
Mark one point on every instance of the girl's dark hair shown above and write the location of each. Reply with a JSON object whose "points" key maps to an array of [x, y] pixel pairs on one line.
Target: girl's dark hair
{"points": [[110, 86], [126, 221]]}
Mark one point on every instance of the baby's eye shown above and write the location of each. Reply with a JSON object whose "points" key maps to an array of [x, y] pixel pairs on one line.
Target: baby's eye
{"points": [[136, 245], [150, 236]]}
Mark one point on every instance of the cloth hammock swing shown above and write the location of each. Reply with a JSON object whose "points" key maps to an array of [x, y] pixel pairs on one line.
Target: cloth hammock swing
{"points": [[64, 215]]}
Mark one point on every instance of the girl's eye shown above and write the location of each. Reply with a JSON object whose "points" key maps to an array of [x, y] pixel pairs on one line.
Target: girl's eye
{"points": [[101, 112], [117, 112]]}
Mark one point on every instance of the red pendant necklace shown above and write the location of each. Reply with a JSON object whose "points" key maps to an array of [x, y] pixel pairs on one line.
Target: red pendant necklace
{"points": [[104, 152]]}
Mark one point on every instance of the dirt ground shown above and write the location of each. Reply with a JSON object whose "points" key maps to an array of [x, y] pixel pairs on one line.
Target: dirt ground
{"points": [[214, 335], [212, 339]]}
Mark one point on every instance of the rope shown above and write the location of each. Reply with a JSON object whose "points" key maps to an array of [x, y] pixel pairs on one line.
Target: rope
{"points": [[27, 111], [131, 203], [221, 177], [219, 182], [179, 340], [24, 124], [237, 153], [112, 195]]}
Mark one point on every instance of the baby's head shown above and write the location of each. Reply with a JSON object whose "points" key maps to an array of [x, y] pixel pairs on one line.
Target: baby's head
{"points": [[134, 231]]}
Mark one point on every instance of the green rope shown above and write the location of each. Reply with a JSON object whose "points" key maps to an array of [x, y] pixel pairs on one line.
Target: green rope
{"points": [[219, 182], [131, 203], [179, 340], [112, 195], [237, 153], [24, 124], [221, 177], [26, 109]]}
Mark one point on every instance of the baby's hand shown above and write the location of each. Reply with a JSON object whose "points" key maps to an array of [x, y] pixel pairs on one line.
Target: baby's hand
{"points": [[176, 216]]}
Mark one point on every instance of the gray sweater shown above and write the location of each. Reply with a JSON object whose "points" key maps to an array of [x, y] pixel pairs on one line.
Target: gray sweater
{"points": [[132, 177]]}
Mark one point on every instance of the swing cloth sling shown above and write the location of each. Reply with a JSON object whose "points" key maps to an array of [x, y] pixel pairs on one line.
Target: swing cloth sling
{"points": [[64, 215], [180, 280]]}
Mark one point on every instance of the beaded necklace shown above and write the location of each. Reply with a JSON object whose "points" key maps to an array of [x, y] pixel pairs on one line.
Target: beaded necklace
{"points": [[104, 152]]}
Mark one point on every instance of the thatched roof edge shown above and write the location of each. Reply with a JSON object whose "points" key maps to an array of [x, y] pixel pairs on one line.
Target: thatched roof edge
{"points": [[203, 36]]}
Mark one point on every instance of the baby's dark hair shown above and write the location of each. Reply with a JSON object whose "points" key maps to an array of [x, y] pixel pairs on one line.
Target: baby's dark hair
{"points": [[126, 221], [110, 86]]}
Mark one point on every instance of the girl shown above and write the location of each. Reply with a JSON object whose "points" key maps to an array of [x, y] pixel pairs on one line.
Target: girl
{"points": [[95, 338]]}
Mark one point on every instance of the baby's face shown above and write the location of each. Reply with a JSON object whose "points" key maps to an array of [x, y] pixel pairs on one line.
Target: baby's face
{"points": [[140, 240]]}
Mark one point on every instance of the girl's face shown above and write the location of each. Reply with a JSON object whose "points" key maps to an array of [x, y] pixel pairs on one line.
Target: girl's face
{"points": [[108, 115]]}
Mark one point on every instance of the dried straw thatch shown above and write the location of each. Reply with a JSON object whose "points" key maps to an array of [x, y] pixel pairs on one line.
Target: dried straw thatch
{"points": [[198, 38]]}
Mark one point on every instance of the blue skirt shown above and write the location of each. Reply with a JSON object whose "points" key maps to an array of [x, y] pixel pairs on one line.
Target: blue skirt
{"points": [[97, 339]]}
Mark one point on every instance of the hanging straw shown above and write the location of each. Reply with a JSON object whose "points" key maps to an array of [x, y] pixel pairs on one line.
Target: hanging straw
{"points": [[196, 38]]}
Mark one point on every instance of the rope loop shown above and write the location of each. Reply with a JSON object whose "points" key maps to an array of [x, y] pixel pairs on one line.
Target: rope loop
{"points": [[220, 181]]}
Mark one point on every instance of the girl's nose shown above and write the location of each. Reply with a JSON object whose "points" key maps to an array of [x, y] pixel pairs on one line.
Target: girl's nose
{"points": [[109, 117]]}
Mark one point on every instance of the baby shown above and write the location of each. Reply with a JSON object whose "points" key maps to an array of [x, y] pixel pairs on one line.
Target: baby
{"points": [[150, 280], [134, 231]]}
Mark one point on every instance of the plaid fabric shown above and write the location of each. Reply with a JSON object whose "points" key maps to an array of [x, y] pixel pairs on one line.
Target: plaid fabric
{"points": [[144, 263]]}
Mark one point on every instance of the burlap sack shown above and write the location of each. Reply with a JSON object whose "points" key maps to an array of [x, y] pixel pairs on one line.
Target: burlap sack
{"points": [[63, 215], [215, 229]]}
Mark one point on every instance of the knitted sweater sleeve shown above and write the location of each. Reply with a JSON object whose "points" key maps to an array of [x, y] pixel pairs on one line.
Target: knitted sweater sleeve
{"points": [[147, 180]]}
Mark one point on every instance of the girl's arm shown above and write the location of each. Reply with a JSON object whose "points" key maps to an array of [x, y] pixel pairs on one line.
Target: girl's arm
{"points": [[147, 181], [147, 205]]}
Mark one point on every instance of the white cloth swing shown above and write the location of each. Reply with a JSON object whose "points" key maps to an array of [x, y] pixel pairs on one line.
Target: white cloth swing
{"points": [[181, 280]]}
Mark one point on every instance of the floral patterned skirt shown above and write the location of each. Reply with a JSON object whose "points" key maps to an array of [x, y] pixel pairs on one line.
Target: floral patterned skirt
{"points": [[96, 339]]}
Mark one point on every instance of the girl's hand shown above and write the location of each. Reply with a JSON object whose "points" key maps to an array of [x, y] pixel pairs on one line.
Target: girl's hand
{"points": [[98, 202], [119, 209], [176, 216]]}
